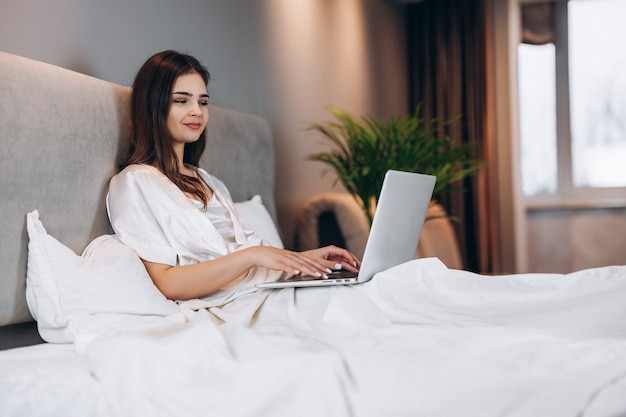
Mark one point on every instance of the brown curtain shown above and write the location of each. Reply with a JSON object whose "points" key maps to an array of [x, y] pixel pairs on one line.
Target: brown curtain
{"points": [[449, 74], [538, 23]]}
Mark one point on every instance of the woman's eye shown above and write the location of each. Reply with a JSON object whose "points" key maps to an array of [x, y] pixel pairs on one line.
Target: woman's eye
{"points": [[180, 101], [204, 103]]}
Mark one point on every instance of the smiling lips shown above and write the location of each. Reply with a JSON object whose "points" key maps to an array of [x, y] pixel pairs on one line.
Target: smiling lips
{"points": [[194, 126]]}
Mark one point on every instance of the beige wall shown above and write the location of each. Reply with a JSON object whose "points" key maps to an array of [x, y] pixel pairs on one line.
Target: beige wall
{"points": [[349, 54], [284, 60], [565, 240]]}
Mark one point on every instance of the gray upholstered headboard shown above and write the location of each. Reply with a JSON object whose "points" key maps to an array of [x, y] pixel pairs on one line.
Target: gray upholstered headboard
{"points": [[61, 137]]}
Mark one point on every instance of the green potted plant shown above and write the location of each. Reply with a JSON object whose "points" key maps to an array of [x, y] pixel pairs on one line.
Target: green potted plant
{"points": [[362, 150]]}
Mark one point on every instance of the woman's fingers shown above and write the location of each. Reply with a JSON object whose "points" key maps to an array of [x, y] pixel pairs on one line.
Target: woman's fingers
{"points": [[348, 260], [290, 262], [317, 262], [335, 258]]}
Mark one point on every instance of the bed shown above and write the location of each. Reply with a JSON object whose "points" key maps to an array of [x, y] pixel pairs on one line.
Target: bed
{"points": [[419, 339]]}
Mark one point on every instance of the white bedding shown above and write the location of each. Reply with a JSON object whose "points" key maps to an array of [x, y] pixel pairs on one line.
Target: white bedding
{"points": [[49, 380], [416, 340]]}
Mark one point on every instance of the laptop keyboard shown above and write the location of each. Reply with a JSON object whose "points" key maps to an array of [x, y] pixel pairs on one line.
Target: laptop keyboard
{"points": [[340, 274]]}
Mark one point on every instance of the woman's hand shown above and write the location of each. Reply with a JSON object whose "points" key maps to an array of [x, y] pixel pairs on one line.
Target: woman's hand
{"points": [[316, 262], [335, 258]]}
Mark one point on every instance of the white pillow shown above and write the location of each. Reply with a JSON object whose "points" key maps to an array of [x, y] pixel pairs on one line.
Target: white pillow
{"points": [[255, 215], [64, 290]]}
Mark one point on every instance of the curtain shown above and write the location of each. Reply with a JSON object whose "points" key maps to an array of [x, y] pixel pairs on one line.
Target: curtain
{"points": [[449, 74], [538, 23]]}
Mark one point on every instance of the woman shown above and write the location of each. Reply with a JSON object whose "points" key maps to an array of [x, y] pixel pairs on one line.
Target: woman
{"points": [[178, 218]]}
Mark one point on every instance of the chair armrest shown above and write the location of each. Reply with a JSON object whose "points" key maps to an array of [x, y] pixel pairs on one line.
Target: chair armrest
{"points": [[438, 238], [351, 222]]}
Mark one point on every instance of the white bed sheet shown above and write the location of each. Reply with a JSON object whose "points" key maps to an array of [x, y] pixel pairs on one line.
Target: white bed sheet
{"points": [[48, 380], [508, 346], [54, 380]]}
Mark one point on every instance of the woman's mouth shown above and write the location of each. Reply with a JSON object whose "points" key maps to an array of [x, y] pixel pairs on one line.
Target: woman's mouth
{"points": [[194, 126]]}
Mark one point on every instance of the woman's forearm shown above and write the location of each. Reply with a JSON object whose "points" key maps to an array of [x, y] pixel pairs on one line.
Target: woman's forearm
{"points": [[201, 279], [205, 278]]}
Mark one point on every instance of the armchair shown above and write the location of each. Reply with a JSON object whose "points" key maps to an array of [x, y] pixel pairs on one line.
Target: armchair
{"points": [[337, 219]]}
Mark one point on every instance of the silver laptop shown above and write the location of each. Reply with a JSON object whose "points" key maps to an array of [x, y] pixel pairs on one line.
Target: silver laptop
{"points": [[400, 214]]}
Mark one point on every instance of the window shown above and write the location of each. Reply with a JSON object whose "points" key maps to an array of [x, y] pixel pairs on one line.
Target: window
{"points": [[572, 92], [537, 108], [597, 59]]}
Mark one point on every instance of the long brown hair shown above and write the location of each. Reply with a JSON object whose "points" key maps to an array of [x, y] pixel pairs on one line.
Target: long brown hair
{"points": [[150, 141]]}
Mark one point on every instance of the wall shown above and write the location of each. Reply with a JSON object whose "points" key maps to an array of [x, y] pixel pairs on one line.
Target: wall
{"points": [[348, 54], [284, 60], [111, 39], [570, 239]]}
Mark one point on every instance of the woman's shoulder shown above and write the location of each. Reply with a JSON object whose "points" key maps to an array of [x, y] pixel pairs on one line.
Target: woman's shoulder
{"points": [[137, 174], [137, 170]]}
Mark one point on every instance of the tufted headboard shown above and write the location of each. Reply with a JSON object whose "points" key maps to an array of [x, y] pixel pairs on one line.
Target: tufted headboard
{"points": [[62, 135]]}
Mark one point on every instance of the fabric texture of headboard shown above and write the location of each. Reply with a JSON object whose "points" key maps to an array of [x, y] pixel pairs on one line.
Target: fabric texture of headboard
{"points": [[62, 135]]}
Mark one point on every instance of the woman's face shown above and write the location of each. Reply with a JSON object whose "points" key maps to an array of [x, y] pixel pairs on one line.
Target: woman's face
{"points": [[189, 112]]}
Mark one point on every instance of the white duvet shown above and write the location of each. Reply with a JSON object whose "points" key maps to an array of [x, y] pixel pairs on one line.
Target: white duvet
{"points": [[417, 340]]}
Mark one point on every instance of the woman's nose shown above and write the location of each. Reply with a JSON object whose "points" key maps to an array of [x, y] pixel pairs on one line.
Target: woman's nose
{"points": [[195, 110]]}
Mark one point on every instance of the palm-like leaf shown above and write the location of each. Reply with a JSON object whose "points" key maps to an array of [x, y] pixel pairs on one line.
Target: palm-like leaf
{"points": [[361, 152]]}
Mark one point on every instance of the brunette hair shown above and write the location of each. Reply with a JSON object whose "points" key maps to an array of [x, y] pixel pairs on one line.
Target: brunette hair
{"points": [[150, 141]]}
